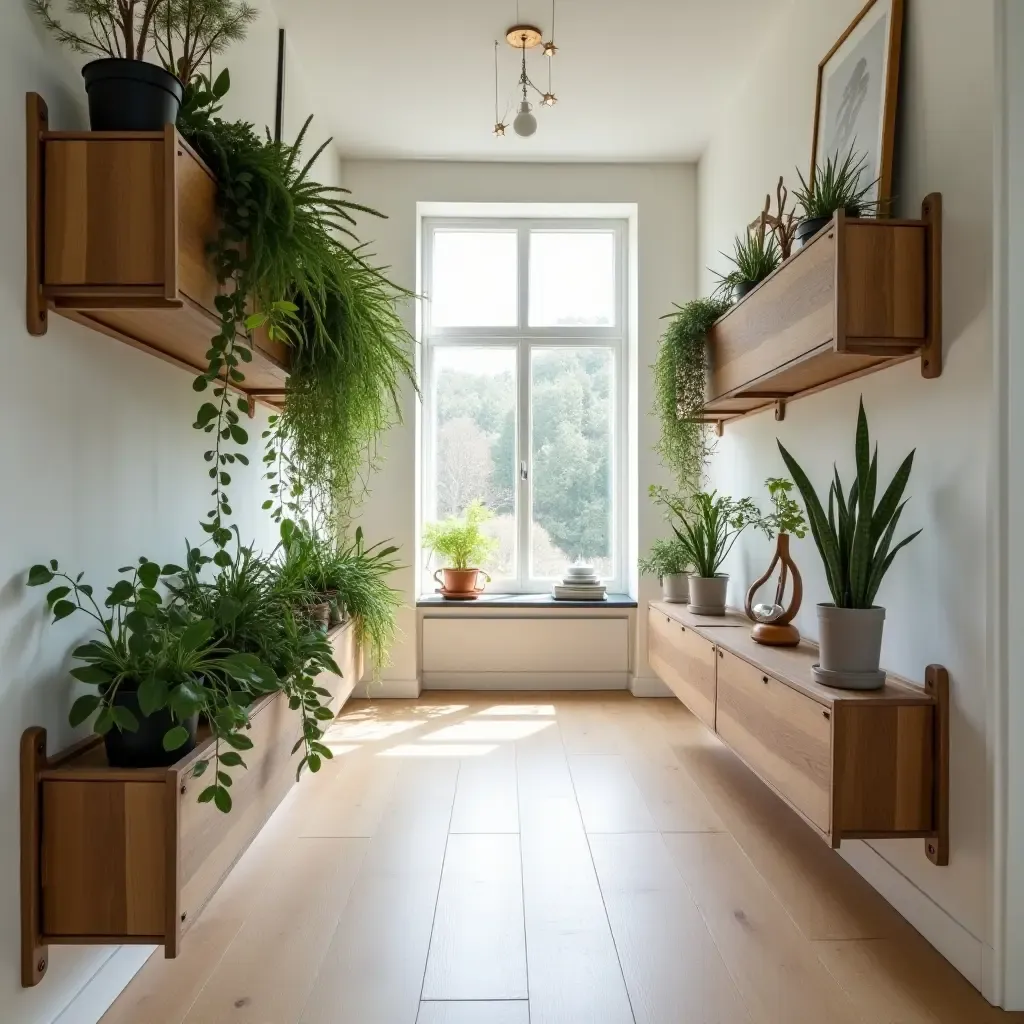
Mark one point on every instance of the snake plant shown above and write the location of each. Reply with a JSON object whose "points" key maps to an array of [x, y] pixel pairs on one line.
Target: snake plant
{"points": [[855, 538]]}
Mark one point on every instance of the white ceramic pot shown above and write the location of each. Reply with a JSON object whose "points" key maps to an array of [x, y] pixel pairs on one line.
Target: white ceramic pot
{"points": [[707, 594], [850, 647], [675, 588]]}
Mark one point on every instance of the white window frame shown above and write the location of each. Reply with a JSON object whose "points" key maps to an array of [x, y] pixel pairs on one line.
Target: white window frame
{"points": [[524, 339]]}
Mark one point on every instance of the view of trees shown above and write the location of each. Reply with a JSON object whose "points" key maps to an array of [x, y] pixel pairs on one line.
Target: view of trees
{"points": [[571, 464]]}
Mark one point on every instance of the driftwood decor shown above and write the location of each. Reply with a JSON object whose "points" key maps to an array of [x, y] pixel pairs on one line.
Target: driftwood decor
{"points": [[782, 224]]}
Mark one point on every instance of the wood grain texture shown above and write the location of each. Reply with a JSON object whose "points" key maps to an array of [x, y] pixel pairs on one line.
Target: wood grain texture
{"points": [[36, 119], [478, 943], [608, 796], [35, 957], [486, 799], [508, 1011], [780, 733], [685, 662]]}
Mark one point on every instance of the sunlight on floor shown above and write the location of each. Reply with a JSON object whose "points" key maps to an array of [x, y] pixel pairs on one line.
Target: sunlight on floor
{"points": [[439, 750], [516, 709], [481, 729], [369, 730]]}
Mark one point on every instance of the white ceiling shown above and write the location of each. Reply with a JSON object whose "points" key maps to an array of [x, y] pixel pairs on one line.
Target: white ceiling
{"points": [[636, 80]]}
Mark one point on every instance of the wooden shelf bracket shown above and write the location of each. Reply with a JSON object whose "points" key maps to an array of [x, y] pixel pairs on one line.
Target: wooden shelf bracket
{"points": [[936, 846]]}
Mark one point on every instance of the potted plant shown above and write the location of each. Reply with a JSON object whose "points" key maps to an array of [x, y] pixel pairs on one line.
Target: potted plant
{"points": [[855, 541], [754, 256], [708, 525], [836, 186], [464, 546], [670, 562]]}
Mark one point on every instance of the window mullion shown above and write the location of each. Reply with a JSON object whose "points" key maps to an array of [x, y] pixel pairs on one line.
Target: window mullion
{"points": [[525, 486]]}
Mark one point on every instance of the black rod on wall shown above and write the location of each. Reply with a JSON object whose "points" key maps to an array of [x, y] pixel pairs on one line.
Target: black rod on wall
{"points": [[279, 108]]}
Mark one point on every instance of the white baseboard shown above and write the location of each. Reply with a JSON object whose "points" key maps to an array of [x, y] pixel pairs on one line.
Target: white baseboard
{"points": [[648, 686], [525, 681], [95, 997], [398, 688], [962, 949]]}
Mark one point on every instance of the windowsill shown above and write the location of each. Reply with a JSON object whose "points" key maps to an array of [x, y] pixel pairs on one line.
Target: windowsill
{"points": [[487, 600]]}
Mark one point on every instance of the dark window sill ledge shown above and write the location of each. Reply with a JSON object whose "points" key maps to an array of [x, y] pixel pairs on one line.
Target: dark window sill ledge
{"points": [[487, 600]]}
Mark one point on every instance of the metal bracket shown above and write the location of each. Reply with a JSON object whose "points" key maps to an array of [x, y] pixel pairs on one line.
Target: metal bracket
{"points": [[931, 354], [251, 403], [36, 124], [780, 409], [719, 428], [936, 685]]}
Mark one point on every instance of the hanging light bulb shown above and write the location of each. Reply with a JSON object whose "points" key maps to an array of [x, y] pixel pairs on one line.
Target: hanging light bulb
{"points": [[525, 123]]}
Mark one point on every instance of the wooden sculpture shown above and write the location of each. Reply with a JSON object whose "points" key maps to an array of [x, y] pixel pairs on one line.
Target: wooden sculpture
{"points": [[782, 224], [773, 623]]}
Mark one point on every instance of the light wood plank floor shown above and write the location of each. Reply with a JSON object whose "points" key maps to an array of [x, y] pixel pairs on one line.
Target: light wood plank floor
{"points": [[542, 858]]}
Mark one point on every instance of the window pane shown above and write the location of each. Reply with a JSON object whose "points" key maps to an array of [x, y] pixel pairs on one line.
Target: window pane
{"points": [[571, 446], [475, 279], [572, 278], [474, 433]]}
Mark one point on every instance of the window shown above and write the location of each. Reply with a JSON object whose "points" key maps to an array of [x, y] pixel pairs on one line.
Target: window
{"points": [[524, 351]]}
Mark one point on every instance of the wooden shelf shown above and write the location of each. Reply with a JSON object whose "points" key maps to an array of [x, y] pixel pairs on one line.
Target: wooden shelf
{"points": [[117, 229], [853, 764], [115, 855], [862, 295]]}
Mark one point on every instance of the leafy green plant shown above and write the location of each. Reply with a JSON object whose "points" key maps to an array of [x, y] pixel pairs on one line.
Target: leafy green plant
{"points": [[754, 256], [680, 381], [459, 540], [787, 517], [667, 558], [188, 33], [855, 538], [111, 28], [708, 525], [837, 186]]}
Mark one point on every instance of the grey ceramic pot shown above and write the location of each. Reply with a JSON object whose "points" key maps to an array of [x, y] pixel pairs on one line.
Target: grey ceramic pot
{"points": [[675, 588], [850, 639], [707, 594]]}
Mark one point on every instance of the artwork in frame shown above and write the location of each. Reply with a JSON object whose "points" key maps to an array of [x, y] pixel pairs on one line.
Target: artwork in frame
{"points": [[856, 98]]}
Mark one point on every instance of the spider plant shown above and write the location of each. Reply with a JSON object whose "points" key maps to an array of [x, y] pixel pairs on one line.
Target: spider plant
{"points": [[754, 257], [837, 186]]}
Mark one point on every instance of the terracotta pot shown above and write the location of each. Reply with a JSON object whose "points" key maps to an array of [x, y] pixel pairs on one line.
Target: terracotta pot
{"points": [[707, 594], [462, 581]]}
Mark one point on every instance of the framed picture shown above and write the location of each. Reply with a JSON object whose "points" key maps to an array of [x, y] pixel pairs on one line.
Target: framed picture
{"points": [[855, 106]]}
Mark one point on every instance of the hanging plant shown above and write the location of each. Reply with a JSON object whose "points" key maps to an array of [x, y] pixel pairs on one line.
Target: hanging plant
{"points": [[680, 381]]}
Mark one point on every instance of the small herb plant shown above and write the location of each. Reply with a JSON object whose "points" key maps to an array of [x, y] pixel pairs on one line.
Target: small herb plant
{"points": [[709, 524], [837, 186], [855, 538], [754, 256], [787, 517], [460, 541], [668, 557]]}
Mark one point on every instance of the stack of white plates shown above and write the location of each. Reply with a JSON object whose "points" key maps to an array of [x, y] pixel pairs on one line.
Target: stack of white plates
{"points": [[581, 583]]}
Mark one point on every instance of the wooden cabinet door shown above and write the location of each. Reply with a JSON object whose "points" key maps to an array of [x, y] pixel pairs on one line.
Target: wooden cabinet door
{"points": [[785, 737], [685, 663]]}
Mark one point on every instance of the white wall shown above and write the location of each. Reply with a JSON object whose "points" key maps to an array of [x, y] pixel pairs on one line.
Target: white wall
{"points": [[937, 592], [99, 465], [665, 196]]}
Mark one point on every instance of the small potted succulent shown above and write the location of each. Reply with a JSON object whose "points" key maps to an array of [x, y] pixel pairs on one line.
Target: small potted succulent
{"points": [[755, 257], [855, 541], [838, 185], [461, 542], [670, 562], [708, 525]]}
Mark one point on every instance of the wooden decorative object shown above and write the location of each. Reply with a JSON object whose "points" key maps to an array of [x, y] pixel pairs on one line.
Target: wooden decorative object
{"points": [[113, 855], [778, 631], [117, 225], [781, 224], [863, 295], [853, 764]]}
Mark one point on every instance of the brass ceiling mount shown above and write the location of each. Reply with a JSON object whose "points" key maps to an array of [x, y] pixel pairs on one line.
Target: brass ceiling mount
{"points": [[524, 37]]}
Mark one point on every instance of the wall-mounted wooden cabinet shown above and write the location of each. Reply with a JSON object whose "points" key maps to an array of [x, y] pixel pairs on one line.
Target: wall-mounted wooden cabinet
{"points": [[118, 228], [129, 855], [863, 294], [854, 765]]}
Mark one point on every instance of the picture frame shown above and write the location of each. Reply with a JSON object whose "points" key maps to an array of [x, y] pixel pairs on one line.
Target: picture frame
{"points": [[855, 100]]}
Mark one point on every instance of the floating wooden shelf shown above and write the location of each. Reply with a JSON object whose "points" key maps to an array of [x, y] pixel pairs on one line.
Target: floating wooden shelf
{"points": [[117, 229], [862, 295], [115, 855], [854, 765]]}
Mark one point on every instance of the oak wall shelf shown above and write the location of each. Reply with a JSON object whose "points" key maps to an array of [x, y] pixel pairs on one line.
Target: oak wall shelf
{"points": [[114, 855], [862, 295], [117, 229], [854, 765]]}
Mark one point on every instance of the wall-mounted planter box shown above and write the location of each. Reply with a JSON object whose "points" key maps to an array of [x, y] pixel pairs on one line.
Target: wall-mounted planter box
{"points": [[864, 294], [117, 230], [114, 855]]}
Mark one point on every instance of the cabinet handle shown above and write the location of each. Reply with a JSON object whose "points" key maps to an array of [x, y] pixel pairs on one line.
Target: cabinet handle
{"points": [[764, 679], [683, 628], [720, 653], [826, 714]]}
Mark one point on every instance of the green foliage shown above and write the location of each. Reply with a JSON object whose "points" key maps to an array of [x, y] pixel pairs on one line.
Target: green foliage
{"points": [[855, 538], [837, 186], [680, 380], [110, 28], [460, 541], [667, 557], [755, 255], [188, 33], [708, 525], [787, 517]]}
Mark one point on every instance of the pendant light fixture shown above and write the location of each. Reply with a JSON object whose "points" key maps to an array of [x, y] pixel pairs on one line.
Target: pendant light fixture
{"points": [[523, 38]]}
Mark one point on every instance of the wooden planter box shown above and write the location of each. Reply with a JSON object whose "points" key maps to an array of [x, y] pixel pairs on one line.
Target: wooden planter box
{"points": [[113, 855], [117, 229], [862, 295]]}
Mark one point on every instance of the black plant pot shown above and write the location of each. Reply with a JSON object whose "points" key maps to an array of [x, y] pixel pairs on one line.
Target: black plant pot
{"points": [[130, 95], [808, 227], [742, 287], [145, 747]]}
